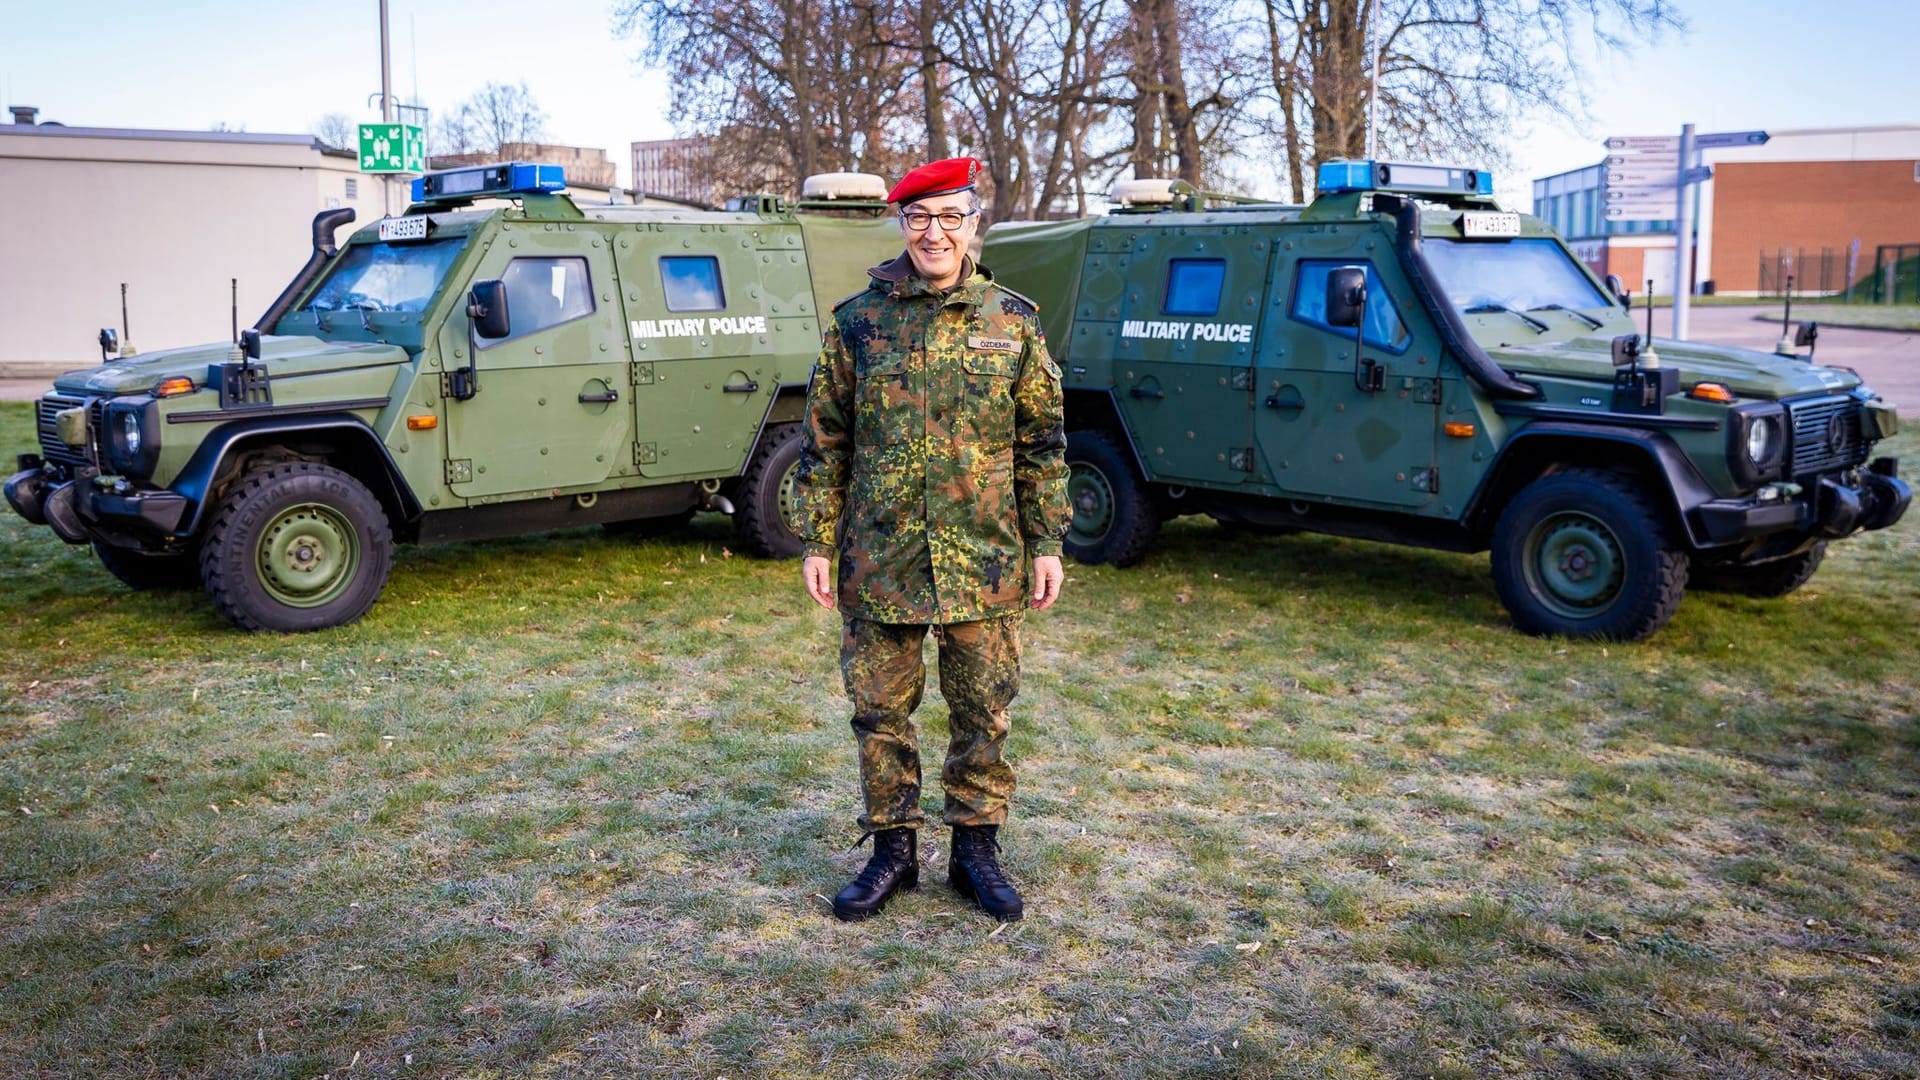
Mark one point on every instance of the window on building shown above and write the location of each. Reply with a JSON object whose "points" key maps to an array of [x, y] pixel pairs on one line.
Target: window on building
{"points": [[1194, 286], [1383, 327], [692, 283]]}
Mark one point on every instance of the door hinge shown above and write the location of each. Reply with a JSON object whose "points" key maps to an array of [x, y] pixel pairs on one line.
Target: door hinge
{"points": [[642, 374], [459, 470], [1240, 459], [645, 453], [1427, 480]]}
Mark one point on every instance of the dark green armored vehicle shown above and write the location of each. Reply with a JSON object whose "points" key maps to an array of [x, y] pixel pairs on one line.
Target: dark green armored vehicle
{"points": [[1403, 361], [498, 360]]}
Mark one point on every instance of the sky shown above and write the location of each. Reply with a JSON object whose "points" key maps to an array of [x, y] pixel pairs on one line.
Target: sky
{"points": [[272, 66]]}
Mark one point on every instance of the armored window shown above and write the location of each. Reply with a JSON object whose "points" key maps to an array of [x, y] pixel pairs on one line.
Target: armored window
{"points": [[1193, 286], [1384, 328], [545, 292], [692, 283], [385, 277]]}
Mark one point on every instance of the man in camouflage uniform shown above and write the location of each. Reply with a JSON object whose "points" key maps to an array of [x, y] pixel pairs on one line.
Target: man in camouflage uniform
{"points": [[935, 466]]}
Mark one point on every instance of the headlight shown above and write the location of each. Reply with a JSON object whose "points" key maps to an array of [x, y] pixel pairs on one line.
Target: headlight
{"points": [[132, 437], [1763, 440], [130, 434], [1756, 443]]}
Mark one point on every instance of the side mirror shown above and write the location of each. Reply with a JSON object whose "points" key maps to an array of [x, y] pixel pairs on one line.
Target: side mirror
{"points": [[1617, 289], [1626, 349], [487, 304], [250, 343], [1806, 335], [1346, 295], [109, 343]]}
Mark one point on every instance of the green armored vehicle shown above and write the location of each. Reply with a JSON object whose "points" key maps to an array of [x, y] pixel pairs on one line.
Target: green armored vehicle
{"points": [[458, 372], [1403, 361]]}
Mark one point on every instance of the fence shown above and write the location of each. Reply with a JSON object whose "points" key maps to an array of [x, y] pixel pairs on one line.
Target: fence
{"points": [[1839, 273], [1815, 271], [1896, 274]]}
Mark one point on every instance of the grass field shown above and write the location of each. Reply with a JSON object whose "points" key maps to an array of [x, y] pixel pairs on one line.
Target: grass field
{"points": [[1295, 806]]}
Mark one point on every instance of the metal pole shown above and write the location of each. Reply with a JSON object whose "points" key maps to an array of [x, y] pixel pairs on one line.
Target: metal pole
{"points": [[1373, 90], [1683, 237], [386, 108]]}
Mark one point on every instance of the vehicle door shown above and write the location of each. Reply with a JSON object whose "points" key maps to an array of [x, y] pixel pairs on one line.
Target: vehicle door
{"points": [[549, 409], [1183, 348], [710, 309], [1321, 434]]}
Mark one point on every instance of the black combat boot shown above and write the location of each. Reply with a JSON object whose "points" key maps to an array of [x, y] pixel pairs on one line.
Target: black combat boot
{"points": [[974, 872], [894, 867]]}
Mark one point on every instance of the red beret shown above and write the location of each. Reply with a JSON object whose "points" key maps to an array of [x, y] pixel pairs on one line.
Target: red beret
{"points": [[942, 177]]}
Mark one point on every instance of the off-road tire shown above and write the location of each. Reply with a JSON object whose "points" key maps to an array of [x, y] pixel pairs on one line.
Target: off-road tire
{"points": [[1115, 520], [296, 546], [1584, 553], [144, 570], [765, 495], [1765, 580]]}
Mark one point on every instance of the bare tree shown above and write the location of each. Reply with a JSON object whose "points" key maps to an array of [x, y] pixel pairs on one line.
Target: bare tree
{"points": [[337, 131], [1453, 75], [811, 86], [498, 114]]}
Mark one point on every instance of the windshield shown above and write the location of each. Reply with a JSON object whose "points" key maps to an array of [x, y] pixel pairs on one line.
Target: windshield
{"points": [[385, 277], [1524, 275]]}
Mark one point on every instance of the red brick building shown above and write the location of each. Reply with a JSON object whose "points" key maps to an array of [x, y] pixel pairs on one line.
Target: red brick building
{"points": [[1826, 205]]}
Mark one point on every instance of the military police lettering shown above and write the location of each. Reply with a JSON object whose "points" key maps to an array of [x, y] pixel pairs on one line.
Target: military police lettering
{"points": [[934, 467]]}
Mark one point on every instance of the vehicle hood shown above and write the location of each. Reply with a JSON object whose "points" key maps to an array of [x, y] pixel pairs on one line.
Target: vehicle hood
{"points": [[1747, 372], [282, 356]]}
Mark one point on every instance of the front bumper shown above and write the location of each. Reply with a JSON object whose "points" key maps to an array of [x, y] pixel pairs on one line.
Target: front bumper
{"points": [[1835, 506], [81, 506]]}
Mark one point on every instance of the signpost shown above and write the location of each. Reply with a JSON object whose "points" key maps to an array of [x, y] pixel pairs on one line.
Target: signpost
{"points": [[1647, 179]]}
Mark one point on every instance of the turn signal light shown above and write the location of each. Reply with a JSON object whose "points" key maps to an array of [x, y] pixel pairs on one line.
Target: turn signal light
{"points": [[1710, 391], [422, 423], [1458, 430], [173, 387]]}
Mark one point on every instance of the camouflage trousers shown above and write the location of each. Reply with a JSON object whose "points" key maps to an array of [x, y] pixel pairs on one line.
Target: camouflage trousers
{"points": [[885, 676]]}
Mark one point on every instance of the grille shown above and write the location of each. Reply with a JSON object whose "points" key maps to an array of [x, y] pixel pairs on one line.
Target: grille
{"points": [[51, 448], [1826, 436]]}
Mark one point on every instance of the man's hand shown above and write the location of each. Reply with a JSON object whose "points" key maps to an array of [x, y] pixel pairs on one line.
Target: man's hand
{"points": [[816, 572], [1047, 579]]}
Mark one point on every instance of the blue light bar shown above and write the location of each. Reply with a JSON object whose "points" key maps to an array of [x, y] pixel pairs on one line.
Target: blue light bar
{"points": [[1339, 176], [476, 181]]}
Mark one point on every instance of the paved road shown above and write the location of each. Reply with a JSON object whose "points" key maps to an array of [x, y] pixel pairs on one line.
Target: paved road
{"points": [[1888, 360]]}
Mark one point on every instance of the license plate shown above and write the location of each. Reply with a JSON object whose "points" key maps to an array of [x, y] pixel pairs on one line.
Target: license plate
{"points": [[1483, 223], [404, 228]]}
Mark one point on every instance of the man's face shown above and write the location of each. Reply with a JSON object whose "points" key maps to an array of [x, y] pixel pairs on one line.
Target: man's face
{"points": [[938, 254]]}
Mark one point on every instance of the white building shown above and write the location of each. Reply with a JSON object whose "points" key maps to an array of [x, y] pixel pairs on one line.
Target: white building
{"points": [[177, 216]]}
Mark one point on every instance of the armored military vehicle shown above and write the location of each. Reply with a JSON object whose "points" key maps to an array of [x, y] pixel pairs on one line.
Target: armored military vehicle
{"points": [[1405, 361], [496, 360]]}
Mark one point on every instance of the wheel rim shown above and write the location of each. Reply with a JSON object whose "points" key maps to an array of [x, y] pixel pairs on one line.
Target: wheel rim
{"points": [[1093, 504], [309, 554], [1576, 565], [783, 494]]}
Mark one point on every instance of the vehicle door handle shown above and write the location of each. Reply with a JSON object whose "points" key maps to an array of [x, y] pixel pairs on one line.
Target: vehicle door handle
{"points": [[1139, 393], [601, 398], [1275, 402], [747, 387]]}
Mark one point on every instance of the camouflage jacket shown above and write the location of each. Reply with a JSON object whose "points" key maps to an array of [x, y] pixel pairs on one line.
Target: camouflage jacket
{"points": [[935, 455]]}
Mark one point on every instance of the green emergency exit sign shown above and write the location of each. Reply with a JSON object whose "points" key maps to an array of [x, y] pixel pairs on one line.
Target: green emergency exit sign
{"points": [[392, 148]]}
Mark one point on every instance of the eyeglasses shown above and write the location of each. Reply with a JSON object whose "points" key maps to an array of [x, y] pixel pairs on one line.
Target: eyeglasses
{"points": [[918, 220]]}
